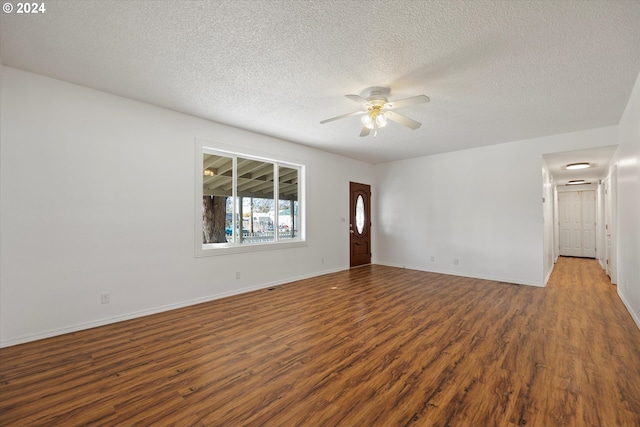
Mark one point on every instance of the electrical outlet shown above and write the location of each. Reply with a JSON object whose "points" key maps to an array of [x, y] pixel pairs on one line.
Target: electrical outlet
{"points": [[456, 261], [237, 275], [322, 261], [433, 259], [105, 298]]}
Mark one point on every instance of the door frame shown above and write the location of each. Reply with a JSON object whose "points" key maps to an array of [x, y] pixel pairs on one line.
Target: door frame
{"points": [[610, 222]]}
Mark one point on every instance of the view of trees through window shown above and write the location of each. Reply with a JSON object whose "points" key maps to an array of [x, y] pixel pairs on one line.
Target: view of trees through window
{"points": [[239, 203]]}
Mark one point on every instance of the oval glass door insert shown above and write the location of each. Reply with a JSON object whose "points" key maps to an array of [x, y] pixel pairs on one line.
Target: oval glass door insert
{"points": [[360, 214]]}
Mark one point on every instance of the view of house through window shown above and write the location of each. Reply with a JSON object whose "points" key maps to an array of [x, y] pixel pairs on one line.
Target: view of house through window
{"points": [[248, 200]]}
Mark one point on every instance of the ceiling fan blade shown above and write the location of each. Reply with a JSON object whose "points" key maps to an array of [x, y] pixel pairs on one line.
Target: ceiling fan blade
{"points": [[414, 100], [403, 120], [360, 100], [344, 116], [365, 131]]}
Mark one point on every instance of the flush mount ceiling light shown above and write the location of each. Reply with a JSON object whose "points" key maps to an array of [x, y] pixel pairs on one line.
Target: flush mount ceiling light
{"points": [[377, 110], [581, 165], [576, 181]]}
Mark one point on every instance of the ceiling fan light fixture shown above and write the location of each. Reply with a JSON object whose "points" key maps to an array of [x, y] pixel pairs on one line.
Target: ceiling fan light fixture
{"points": [[367, 121], [374, 119], [581, 165]]}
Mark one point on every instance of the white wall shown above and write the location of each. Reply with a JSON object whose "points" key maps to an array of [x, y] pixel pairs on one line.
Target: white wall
{"points": [[481, 206], [97, 195], [627, 162]]}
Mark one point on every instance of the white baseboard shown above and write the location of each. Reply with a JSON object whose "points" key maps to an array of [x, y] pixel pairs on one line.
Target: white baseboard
{"points": [[629, 309], [107, 321], [463, 274], [546, 279]]}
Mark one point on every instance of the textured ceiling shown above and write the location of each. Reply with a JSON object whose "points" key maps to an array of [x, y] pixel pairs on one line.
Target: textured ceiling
{"points": [[496, 71]]}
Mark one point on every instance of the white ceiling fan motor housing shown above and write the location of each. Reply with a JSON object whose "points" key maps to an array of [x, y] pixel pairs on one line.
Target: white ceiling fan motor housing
{"points": [[376, 93]]}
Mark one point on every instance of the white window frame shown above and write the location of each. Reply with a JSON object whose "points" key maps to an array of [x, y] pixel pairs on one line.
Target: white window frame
{"points": [[203, 146]]}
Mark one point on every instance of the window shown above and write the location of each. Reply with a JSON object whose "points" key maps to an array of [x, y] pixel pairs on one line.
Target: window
{"points": [[246, 202]]}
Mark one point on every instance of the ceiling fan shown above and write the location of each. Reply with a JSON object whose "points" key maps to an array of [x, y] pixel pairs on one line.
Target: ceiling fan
{"points": [[377, 109]]}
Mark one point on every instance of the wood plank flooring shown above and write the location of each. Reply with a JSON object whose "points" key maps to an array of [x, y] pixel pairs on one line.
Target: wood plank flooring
{"points": [[372, 346]]}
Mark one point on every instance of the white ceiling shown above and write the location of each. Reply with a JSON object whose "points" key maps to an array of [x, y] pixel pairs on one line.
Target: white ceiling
{"points": [[598, 159], [496, 71]]}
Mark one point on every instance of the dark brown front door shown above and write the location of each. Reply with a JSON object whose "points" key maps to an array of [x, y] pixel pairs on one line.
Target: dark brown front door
{"points": [[360, 224]]}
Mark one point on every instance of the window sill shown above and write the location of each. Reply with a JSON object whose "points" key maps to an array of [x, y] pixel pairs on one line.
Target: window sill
{"points": [[215, 249]]}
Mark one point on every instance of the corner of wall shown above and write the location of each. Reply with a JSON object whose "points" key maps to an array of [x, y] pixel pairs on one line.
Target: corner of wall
{"points": [[626, 170]]}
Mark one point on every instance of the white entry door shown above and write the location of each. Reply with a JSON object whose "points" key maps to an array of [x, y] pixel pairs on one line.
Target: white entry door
{"points": [[577, 223]]}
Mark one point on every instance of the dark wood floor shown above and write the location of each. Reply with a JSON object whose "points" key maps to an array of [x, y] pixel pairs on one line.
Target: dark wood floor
{"points": [[373, 346]]}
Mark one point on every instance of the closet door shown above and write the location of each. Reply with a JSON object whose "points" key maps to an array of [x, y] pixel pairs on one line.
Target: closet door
{"points": [[577, 223], [570, 209]]}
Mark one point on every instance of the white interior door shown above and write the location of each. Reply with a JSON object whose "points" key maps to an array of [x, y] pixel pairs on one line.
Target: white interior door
{"points": [[570, 226], [577, 223], [589, 224]]}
